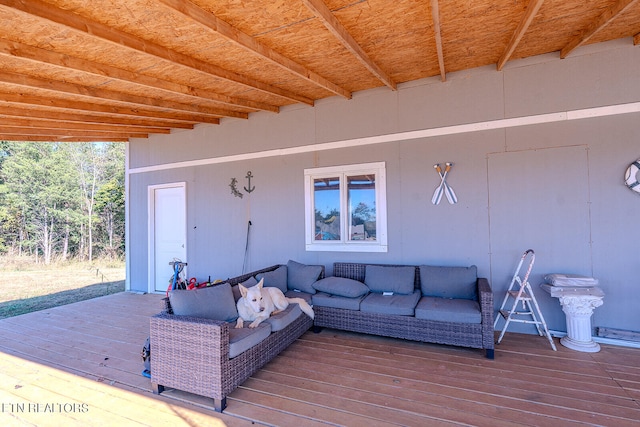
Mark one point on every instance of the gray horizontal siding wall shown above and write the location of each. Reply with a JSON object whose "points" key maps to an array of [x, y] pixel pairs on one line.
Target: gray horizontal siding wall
{"points": [[554, 187]]}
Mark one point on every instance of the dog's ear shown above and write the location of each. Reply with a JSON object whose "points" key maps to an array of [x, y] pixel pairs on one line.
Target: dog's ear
{"points": [[260, 283], [243, 290]]}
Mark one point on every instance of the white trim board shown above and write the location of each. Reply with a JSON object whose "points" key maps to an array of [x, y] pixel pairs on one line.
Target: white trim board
{"points": [[587, 113]]}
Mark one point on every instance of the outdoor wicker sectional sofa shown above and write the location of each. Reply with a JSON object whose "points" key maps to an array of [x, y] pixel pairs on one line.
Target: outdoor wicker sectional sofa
{"points": [[208, 356], [445, 305], [199, 351]]}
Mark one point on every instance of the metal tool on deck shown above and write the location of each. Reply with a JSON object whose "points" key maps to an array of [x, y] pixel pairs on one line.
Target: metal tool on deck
{"points": [[524, 308]]}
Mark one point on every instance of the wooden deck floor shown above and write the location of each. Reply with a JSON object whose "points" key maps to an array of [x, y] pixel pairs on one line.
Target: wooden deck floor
{"points": [[80, 365]]}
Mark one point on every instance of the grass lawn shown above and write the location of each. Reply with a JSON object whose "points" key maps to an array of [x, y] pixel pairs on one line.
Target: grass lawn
{"points": [[33, 287]]}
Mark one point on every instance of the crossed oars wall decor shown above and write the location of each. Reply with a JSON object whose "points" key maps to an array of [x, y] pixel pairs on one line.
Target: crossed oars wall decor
{"points": [[444, 187]]}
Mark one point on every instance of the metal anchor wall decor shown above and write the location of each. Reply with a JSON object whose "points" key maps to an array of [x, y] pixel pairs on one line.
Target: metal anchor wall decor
{"points": [[250, 189], [444, 186]]}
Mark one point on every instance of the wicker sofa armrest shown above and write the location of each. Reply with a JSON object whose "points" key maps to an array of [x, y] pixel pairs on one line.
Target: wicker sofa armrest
{"points": [[485, 297], [189, 353], [485, 293], [173, 329]]}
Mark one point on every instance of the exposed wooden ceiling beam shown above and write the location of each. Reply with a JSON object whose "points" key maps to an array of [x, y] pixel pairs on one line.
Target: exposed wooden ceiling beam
{"points": [[603, 20], [20, 50], [20, 122], [64, 116], [146, 66], [435, 15], [52, 101], [531, 11], [322, 12], [249, 43], [51, 138], [8, 130], [96, 95], [122, 39]]}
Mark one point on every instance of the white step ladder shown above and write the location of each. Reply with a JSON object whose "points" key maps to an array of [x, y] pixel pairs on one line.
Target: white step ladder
{"points": [[524, 307]]}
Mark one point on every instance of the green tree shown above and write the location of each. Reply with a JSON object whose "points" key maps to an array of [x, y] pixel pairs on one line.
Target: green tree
{"points": [[40, 189], [60, 200], [110, 201], [89, 170]]}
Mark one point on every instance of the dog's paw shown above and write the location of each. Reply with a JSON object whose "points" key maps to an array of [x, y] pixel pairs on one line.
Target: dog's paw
{"points": [[239, 324], [254, 324]]}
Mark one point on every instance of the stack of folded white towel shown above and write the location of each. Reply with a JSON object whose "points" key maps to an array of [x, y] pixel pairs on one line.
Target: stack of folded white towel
{"points": [[570, 280]]}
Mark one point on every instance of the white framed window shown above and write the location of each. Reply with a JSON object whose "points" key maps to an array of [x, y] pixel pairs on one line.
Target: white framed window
{"points": [[346, 208]]}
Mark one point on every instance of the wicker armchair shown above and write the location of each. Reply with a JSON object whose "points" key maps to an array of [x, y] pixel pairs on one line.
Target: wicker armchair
{"points": [[192, 354]]}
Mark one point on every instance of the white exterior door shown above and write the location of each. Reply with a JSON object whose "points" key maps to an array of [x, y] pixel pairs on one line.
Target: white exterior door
{"points": [[167, 232]]}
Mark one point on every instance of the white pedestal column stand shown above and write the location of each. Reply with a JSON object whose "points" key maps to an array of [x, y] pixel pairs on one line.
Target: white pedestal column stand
{"points": [[578, 304]]}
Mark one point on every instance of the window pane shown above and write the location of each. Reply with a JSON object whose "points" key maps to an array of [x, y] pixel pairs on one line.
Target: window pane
{"points": [[362, 207], [326, 199], [346, 208]]}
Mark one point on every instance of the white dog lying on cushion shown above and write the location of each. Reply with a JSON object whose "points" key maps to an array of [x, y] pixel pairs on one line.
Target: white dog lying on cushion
{"points": [[258, 303]]}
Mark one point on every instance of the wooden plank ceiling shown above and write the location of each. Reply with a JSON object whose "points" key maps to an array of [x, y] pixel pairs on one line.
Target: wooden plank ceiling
{"points": [[110, 70]]}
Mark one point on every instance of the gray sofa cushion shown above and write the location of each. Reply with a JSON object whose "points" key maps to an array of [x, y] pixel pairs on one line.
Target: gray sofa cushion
{"points": [[282, 319], [251, 281], [215, 302], [397, 304], [341, 286], [322, 299], [243, 339], [396, 279], [449, 310], [276, 278], [302, 277], [298, 294], [449, 282]]}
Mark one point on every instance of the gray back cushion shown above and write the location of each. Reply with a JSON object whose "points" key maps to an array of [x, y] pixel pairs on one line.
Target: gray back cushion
{"points": [[341, 286], [386, 278], [449, 282], [251, 281], [302, 277], [275, 279], [215, 302]]}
